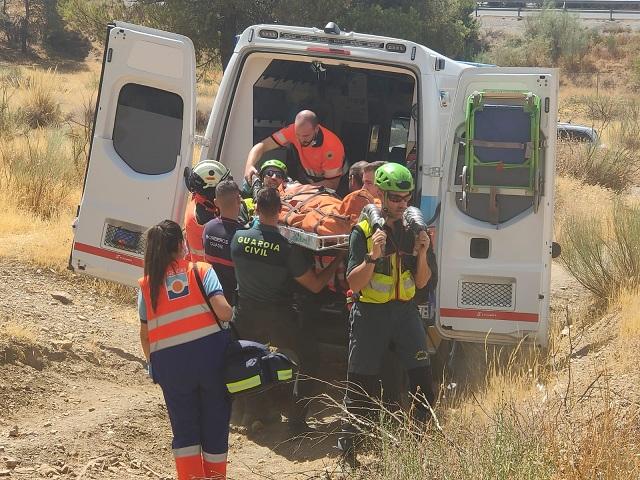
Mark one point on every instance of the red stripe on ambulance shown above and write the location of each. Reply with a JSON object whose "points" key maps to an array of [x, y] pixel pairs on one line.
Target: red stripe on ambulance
{"points": [[101, 252], [489, 315]]}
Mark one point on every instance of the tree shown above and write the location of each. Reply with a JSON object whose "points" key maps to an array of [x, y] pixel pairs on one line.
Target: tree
{"points": [[444, 25]]}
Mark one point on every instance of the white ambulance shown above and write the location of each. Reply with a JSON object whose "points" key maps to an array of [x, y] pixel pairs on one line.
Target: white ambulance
{"points": [[480, 140]]}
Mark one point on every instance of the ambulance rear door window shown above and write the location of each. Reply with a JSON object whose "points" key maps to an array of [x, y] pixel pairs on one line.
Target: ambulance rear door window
{"points": [[148, 128]]}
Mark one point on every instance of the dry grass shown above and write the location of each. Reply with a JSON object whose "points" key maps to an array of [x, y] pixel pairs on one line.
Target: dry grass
{"points": [[629, 303], [14, 331]]}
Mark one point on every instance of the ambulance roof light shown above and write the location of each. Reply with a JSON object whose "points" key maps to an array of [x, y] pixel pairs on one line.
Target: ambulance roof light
{"points": [[332, 29]]}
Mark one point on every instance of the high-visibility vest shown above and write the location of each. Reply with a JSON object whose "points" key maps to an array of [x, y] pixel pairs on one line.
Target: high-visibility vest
{"points": [[193, 233], [182, 314], [398, 284]]}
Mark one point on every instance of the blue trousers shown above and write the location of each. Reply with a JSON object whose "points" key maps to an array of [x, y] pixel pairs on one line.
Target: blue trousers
{"points": [[199, 407]]}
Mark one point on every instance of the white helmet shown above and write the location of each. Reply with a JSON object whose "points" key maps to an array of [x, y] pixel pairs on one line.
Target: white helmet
{"points": [[205, 176]]}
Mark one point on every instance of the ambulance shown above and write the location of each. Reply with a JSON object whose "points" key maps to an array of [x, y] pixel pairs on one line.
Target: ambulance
{"points": [[480, 141]]}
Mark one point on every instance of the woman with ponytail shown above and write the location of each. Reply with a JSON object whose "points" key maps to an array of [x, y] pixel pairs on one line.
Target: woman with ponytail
{"points": [[185, 349]]}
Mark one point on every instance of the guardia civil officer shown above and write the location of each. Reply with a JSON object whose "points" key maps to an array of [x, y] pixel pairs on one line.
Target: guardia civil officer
{"points": [[386, 266], [185, 347], [267, 269]]}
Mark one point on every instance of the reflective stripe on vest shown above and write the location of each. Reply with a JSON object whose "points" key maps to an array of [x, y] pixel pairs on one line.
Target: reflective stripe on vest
{"points": [[181, 315], [382, 288]]}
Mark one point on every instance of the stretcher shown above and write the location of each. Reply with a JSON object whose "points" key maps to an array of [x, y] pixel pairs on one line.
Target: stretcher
{"points": [[313, 241]]}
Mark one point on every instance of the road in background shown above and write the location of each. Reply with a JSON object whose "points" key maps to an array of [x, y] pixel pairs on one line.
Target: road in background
{"points": [[582, 14]]}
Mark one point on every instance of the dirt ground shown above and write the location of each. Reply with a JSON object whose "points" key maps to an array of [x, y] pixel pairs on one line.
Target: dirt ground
{"points": [[75, 400]]}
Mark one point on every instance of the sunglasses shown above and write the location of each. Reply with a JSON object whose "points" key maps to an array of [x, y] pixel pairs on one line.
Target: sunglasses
{"points": [[274, 173], [399, 198]]}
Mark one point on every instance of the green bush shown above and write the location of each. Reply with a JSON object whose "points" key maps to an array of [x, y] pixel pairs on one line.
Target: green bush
{"points": [[551, 38], [68, 43]]}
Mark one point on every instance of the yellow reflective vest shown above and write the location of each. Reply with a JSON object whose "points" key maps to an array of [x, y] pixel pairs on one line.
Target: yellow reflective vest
{"points": [[390, 280]]}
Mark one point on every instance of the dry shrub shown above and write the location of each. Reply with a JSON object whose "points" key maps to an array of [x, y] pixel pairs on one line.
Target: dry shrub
{"points": [[18, 332], [37, 173], [626, 132], [629, 303], [602, 250], [613, 168], [40, 99], [519, 425]]}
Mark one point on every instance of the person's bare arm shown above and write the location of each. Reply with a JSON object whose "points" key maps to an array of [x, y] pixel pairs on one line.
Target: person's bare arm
{"points": [[221, 307], [423, 272], [359, 276], [316, 281], [255, 154], [144, 340]]}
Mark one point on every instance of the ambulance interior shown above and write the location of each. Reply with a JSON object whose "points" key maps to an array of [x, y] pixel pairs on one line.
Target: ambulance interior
{"points": [[368, 106]]}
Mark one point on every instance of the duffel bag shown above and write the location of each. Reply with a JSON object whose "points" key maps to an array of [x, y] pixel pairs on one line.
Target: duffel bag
{"points": [[250, 367]]}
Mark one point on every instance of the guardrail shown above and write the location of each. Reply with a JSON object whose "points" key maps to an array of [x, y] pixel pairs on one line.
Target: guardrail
{"points": [[630, 7]]}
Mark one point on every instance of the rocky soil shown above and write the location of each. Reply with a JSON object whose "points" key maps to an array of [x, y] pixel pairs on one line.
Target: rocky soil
{"points": [[76, 402]]}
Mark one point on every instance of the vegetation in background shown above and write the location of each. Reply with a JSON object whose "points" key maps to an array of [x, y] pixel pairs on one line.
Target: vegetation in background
{"points": [[616, 168], [601, 248], [550, 38], [26, 23], [445, 25]]}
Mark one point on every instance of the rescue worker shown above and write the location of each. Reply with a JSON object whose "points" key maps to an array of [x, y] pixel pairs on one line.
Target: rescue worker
{"points": [[320, 151], [273, 174], [385, 266], [368, 178], [355, 175], [266, 265], [185, 348], [218, 233], [201, 181]]}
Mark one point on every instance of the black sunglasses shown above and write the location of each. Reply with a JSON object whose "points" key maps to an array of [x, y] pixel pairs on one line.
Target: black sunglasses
{"points": [[274, 173]]}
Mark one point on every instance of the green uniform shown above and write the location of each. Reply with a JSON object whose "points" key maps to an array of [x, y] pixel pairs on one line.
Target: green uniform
{"points": [[266, 265]]}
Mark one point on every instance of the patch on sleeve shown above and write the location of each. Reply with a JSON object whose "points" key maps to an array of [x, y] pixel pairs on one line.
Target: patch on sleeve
{"points": [[280, 138], [177, 285]]}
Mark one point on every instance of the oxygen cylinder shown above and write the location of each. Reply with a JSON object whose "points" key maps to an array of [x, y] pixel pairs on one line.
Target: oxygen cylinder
{"points": [[374, 215], [414, 221]]}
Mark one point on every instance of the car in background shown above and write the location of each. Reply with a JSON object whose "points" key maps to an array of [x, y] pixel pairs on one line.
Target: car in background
{"points": [[570, 132]]}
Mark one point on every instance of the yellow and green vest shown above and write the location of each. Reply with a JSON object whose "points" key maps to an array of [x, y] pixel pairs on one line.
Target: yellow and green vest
{"points": [[390, 280]]}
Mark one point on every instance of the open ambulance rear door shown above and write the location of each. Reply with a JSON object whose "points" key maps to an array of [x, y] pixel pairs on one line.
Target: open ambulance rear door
{"points": [[495, 227], [142, 140]]}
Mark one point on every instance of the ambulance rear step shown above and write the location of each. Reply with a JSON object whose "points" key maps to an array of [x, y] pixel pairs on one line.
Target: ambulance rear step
{"points": [[312, 241]]}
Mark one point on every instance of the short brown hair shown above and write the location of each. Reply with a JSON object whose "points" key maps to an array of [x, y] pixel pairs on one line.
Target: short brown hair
{"points": [[226, 188], [268, 202], [356, 170], [373, 166]]}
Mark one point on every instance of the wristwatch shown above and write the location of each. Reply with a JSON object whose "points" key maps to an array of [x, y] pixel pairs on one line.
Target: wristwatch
{"points": [[369, 259]]}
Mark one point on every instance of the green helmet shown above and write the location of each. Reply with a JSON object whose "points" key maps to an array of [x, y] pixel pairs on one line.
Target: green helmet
{"points": [[393, 177], [275, 164]]}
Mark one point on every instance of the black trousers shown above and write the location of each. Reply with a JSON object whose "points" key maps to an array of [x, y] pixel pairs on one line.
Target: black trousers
{"points": [[278, 325]]}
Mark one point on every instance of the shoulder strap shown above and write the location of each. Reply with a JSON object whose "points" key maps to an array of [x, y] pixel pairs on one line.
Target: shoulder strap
{"points": [[196, 273]]}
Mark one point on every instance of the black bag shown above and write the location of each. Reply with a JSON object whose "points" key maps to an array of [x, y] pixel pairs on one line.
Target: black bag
{"points": [[250, 367]]}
